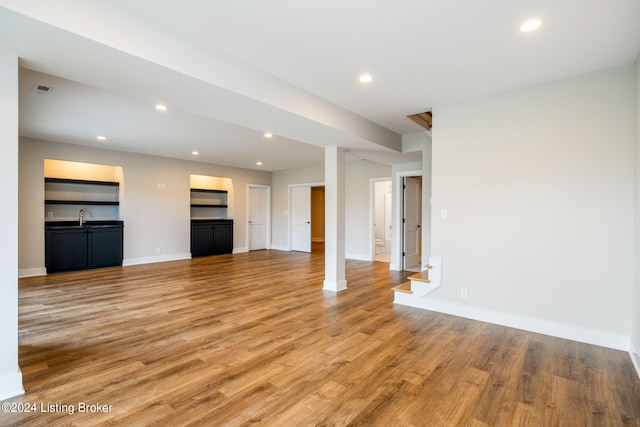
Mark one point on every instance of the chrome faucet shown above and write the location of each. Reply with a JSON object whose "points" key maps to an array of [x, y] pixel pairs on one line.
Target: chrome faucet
{"points": [[81, 217]]}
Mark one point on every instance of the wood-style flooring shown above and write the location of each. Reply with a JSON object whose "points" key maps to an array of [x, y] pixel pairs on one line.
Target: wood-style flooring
{"points": [[252, 339]]}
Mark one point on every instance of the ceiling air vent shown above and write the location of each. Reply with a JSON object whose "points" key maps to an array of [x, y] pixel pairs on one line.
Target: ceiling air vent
{"points": [[42, 89]]}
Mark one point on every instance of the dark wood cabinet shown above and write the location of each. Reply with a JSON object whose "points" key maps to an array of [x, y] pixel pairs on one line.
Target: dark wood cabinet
{"points": [[65, 249], [104, 246], [72, 247], [211, 237]]}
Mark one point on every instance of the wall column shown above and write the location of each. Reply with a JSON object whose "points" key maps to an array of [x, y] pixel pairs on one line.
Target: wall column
{"points": [[334, 176], [635, 305], [10, 376], [426, 199]]}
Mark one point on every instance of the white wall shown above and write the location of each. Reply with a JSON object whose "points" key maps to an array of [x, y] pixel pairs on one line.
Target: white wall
{"points": [[153, 218], [10, 376], [539, 187]]}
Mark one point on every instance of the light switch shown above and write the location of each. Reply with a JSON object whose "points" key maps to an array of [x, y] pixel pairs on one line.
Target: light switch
{"points": [[443, 213]]}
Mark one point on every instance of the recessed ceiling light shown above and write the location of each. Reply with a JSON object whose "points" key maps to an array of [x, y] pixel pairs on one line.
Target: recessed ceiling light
{"points": [[195, 153], [101, 137], [161, 107], [531, 25], [268, 135], [259, 163], [366, 78]]}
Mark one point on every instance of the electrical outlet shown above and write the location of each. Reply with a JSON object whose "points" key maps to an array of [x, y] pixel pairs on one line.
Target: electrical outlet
{"points": [[444, 213], [157, 250], [464, 294], [50, 214]]}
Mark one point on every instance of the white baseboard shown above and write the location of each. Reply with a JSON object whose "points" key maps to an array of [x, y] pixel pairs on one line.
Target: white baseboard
{"points": [[541, 326], [634, 352], [350, 255], [153, 259], [358, 257], [11, 385], [32, 272], [335, 286], [240, 250], [127, 262]]}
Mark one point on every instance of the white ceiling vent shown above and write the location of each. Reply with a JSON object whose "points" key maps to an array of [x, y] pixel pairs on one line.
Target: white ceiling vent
{"points": [[42, 89]]}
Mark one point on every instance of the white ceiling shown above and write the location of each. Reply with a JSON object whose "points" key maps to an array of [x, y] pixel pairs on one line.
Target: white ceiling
{"points": [[230, 71], [76, 113]]}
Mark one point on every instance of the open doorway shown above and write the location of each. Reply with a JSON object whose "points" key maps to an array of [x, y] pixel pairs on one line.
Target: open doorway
{"points": [[317, 219], [411, 223], [306, 207], [382, 220]]}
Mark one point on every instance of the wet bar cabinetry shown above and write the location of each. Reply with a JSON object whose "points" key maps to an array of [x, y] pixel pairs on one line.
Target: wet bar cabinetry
{"points": [[211, 231], [97, 241], [95, 244], [211, 237]]}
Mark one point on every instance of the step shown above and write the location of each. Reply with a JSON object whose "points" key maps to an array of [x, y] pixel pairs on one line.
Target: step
{"points": [[405, 287], [420, 285], [421, 277]]}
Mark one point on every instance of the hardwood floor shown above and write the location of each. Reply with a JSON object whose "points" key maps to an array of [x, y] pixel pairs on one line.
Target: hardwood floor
{"points": [[253, 339]]}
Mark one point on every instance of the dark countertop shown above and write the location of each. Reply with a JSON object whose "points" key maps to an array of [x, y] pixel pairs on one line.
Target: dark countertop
{"points": [[76, 224], [215, 221]]}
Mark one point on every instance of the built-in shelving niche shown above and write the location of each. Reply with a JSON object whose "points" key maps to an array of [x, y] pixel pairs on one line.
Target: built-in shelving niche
{"points": [[210, 197], [72, 186]]}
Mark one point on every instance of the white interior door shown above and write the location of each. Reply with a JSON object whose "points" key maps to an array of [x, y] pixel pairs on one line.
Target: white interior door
{"points": [[412, 234], [301, 219], [257, 218]]}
